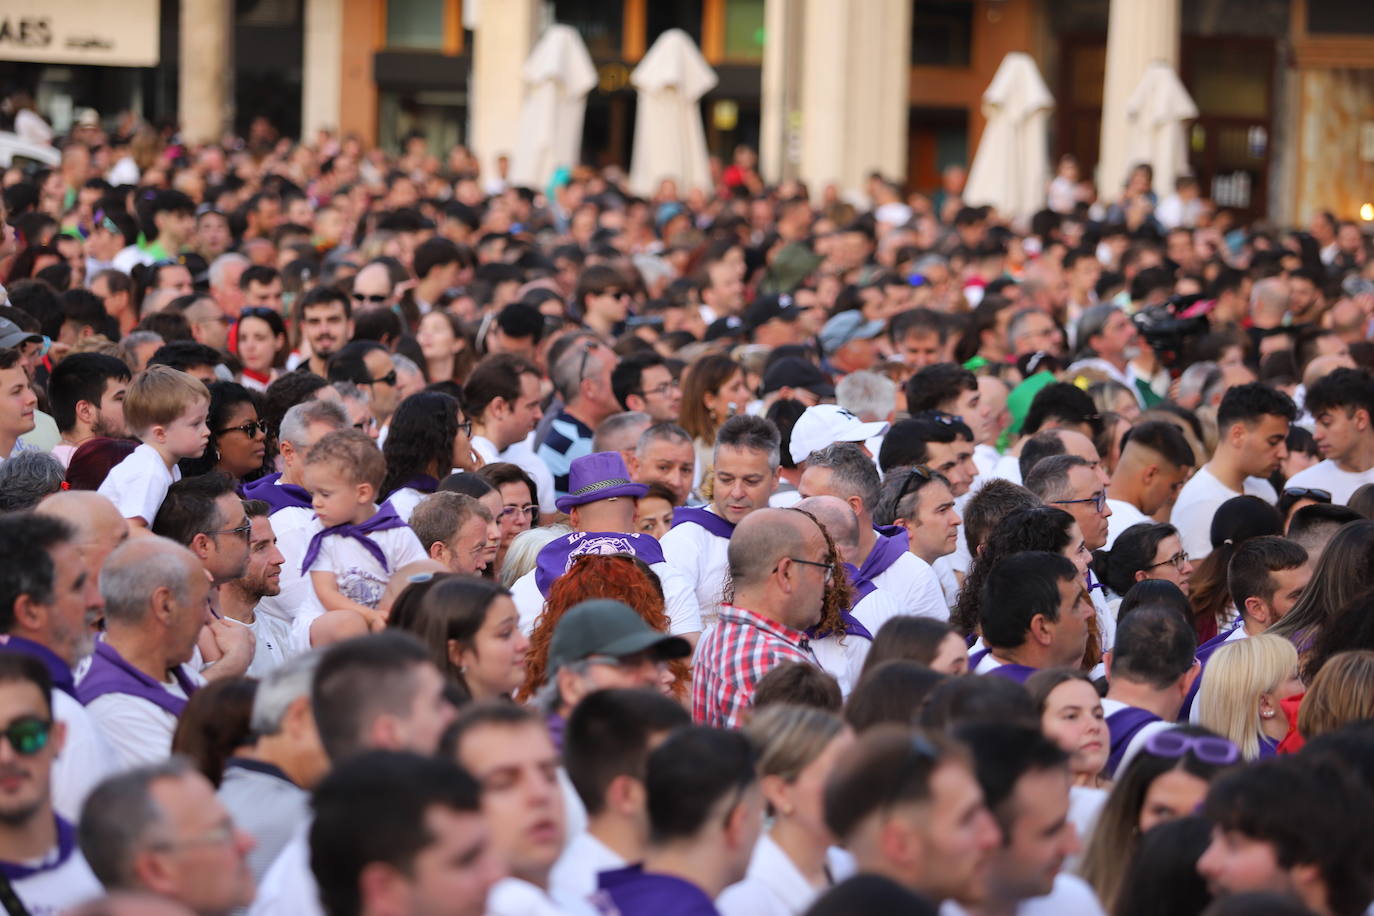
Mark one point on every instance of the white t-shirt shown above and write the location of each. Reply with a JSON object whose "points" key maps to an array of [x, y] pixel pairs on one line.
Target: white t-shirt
{"points": [[949, 579], [138, 730], [1123, 516], [288, 888], [522, 454], [915, 586], [1199, 500], [845, 660], [1326, 475], [85, 761], [292, 528], [1071, 896], [773, 885], [573, 878], [1085, 804], [703, 558], [270, 635], [138, 484], [514, 897], [985, 458], [679, 601], [404, 501], [1008, 467], [57, 883], [360, 577]]}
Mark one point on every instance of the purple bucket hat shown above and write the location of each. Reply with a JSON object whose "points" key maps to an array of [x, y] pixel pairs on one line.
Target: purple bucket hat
{"points": [[600, 475]]}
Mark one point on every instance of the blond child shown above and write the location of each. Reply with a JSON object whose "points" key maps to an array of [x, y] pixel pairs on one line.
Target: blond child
{"points": [[355, 546], [165, 409]]}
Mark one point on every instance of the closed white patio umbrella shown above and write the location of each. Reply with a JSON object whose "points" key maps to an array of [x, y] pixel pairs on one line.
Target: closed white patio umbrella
{"points": [[670, 140], [558, 75], [1155, 116], [1011, 168]]}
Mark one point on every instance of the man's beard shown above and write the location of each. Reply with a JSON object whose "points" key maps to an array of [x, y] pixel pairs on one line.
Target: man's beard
{"points": [[101, 428]]}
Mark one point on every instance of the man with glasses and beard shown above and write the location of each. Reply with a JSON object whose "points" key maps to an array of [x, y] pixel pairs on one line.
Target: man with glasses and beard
{"points": [[30, 831]]}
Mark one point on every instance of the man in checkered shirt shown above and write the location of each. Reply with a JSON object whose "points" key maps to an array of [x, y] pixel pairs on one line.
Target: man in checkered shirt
{"points": [[779, 566]]}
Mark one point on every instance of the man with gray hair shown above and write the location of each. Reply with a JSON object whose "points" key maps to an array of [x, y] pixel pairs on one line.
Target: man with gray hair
{"points": [[664, 455], [620, 433], [225, 272], [266, 790], [1109, 338], [160, 828], [291, 512], [155, 594], [868, 395], [582, 377], [745, 469], [28, 477], [841, 652], [884, 558]]}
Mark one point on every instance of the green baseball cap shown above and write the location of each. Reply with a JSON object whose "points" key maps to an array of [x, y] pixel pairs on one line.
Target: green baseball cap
{"points": [[601, 626]]}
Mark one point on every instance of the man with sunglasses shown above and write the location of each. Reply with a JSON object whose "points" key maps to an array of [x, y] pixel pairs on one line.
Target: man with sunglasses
{"points": [[261, 578], [31, 738], [920, 501], [1149, 672], [372, 288], [368, 365]]}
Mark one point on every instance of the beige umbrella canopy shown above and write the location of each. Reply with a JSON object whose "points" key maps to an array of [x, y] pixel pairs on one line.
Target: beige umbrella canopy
{"points": [[1011, 169], [670, 141], [1155, 116], [558, 75]]}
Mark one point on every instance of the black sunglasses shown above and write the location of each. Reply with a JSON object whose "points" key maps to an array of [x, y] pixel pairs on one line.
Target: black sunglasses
{"points": [[28, 735], [249, 429], [920, 473], [388, 379], [374, 298], [1312, 493]]}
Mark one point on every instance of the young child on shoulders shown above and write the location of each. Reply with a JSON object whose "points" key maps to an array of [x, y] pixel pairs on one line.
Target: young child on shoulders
{"points": [[356, 545], [165, 409]]}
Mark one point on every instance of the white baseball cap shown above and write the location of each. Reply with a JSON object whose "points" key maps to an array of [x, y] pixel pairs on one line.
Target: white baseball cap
{"points": [[826, 424]]}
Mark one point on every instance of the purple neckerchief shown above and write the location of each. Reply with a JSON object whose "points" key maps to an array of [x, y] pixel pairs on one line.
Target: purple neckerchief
{"points": [[893, 542], [976, 659], [1093, 583], [1209, 648], [110, 673], [384, 519], [61, 675], [1017, 673], [558, 555], [1268, 747], [66, 845], [632, 890], [706, 519], [278, 496], [862, 589], [556, 725], [421, 483], [1122, 726]]}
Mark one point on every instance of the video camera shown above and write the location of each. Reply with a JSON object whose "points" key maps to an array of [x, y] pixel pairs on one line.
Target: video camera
{"points": [[1167, 326]]}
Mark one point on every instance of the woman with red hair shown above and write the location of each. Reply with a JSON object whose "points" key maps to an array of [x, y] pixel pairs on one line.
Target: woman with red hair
{"points": [[619, 577]]}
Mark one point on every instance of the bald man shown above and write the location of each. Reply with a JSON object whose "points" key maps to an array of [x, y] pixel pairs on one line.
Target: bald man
{"points": [[155, 604], [100, 527], [780, 566], [841, 649]]}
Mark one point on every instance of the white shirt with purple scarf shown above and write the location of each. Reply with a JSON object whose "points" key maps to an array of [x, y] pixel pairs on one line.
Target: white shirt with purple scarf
{"points": [[136, 714], [698, 545], [58, 881]]}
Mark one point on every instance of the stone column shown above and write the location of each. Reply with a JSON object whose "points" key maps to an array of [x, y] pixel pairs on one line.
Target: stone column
{"points": [[505, 34], [205, 78], [1138, 33], [780, 95], [322, 79], [854, 91]]}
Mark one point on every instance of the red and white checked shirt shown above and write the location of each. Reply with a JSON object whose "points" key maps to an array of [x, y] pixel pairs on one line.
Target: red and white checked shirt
{"points": [[741, 648]]}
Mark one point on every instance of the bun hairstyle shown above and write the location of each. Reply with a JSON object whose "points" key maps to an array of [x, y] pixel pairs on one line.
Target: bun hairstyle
{"points": [[1133, 552]]}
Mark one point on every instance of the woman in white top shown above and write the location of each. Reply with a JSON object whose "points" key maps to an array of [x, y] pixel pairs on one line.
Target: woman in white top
{"points": [[261, 346], [1071, 716], [793, 861]]}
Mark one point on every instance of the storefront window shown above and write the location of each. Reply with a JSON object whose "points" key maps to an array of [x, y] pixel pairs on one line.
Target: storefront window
{"points": [[744, 30], [598, 22], [415, 24]]}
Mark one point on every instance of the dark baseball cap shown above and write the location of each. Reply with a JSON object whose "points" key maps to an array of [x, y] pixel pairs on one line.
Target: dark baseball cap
{"points": [[729, 326], [795, 372], [605, 627], [765, 308]]}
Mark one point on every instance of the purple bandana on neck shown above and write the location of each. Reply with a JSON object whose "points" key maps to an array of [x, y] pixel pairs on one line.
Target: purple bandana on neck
{"points": [[893, 541], [278, 496], [1017, 673], [384, 520], [61, 675], [862, 589], [706, 519], [66, 845], [421, 483], [110, 673], [557, 556]]}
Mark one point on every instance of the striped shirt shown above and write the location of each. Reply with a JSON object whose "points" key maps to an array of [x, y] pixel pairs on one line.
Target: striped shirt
{"points": [[741, 648], [568, 438]]}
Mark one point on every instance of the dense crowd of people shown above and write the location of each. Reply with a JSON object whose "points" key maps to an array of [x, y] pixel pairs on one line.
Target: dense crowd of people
{"points": [[380, 538]]}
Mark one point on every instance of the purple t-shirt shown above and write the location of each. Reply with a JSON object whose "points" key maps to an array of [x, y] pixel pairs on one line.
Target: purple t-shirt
{"points": [[632, 891]]}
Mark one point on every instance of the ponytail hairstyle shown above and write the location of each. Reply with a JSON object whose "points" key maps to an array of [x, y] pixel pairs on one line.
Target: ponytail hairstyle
{"points": [[1134, 551]]}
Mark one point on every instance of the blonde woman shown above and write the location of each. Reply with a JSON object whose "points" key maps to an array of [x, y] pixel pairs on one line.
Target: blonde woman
{"points": [[1243, 690], [793, 861], [1342, 692]]}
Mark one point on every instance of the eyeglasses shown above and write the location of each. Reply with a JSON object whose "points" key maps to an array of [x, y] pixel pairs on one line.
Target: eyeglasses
{"points": [[1179, 560], [375, 299], [220, 835], [1312, 493], [249, 429], [244, 530], [829, 570], [28, 735], [259, 311], [1207, 748], [582, 367], [920, 473], [388, 379], [465, 427], [617, 293], [365, 425], [531, 511], [1098, 499], [662, 391]]}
